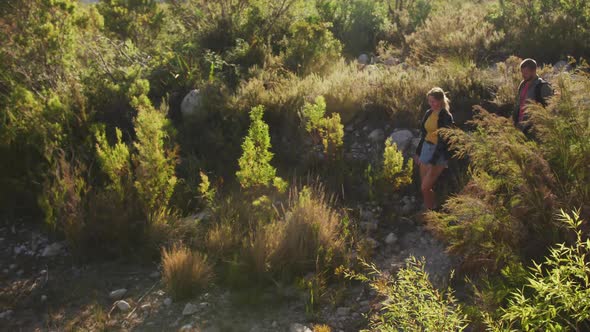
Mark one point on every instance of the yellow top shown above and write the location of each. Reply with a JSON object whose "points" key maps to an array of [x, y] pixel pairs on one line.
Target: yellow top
{"points": [[431, 127]]}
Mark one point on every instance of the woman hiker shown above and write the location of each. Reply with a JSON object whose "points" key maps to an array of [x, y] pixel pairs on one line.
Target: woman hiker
{"points": [[432, 153]]}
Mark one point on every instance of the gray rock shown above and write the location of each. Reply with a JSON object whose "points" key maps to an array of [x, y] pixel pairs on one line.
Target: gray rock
{"points": [[343, 311], [52, 250], [364, 59], [189, 309], [43, 298], [192, 104], [6, 314], [402, 138], [561, 65], [167, 301], [118, 294], [391, 239], [377, 135], [296, 327], [123, 305], [155, 274]]}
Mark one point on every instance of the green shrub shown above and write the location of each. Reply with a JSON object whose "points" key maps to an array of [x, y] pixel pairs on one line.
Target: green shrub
{"points": [[139, 21], [410, 302], [395, 173], [311, 47], [358, 24], [155, 161], [545, 30], [451, 32], [115, 161], [556, 295], [327, 130], [255, 168]]}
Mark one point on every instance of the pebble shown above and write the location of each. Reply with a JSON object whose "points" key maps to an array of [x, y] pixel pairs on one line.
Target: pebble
{"points": [[155, 274], [167, 301], [189, 309], [43, 298], [118, 294], [123, 306], [343, 311], [146, 307], [296, 327], [51, 250]]}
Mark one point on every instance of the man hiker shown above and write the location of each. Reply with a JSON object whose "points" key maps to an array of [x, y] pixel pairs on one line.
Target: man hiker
{"points": [[531, 89]]}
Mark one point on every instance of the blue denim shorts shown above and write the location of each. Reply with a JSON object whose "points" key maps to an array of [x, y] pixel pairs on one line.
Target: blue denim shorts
{"points": [[428, 152]]}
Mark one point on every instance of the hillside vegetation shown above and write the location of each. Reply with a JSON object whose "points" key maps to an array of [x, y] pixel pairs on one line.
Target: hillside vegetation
{"points": [[250, 182]]}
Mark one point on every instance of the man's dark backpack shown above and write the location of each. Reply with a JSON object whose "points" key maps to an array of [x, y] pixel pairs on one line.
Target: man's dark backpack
{"points": [[538, 97]]}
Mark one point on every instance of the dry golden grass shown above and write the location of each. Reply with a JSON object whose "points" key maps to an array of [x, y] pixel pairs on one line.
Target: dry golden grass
{"points": [[185, 272], [321, 328], [312, 232]]}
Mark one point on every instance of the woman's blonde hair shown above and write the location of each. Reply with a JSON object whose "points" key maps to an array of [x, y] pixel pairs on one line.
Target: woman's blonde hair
{"points": [[439, 94]]}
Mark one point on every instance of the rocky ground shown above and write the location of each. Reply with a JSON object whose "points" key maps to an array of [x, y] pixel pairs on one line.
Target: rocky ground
{"points": [[43, 288]]}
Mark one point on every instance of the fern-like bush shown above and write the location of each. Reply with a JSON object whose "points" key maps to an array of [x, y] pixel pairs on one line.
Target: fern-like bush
{"points": [[562, 129], [509, 202], [555, 297], [410, 301]]}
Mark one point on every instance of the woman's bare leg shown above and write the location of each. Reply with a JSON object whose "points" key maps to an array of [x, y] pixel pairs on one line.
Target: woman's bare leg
{"points": [[432, 172]]}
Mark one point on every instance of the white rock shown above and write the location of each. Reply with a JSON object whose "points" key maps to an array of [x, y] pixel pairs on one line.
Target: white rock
{"points": [[391, 239], [123, 306], [296, 327], [192, 104], [186, 328], [6, 314], [190, 309], [52, 250], [377, 135], [343, 311], [118, 294], [146, 307], [167, 301], [402, 138]]}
